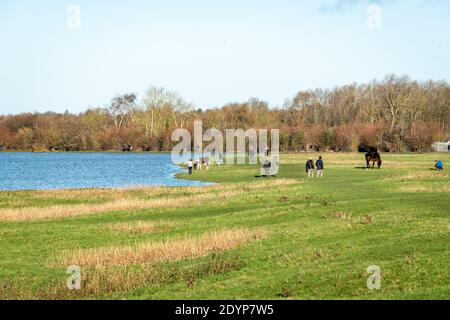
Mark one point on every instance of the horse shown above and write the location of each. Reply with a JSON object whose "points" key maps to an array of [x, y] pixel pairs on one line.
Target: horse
{"points": [[373, 156]]}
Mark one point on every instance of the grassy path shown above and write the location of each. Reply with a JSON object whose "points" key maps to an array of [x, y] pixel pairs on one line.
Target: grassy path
{"points": [[249, 238]]}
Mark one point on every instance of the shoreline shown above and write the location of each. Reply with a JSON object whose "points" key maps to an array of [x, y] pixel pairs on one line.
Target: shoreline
{"points": [[168, 152], [175, 176], [182, 175]]}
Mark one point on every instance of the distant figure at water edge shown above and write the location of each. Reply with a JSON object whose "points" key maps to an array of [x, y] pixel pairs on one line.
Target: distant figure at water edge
{"points": [[439, 165], [252, 154], [198, 164], [310, 168], [319, 167], [219, 162], [190, 166], [206, 162], [127, 148]]}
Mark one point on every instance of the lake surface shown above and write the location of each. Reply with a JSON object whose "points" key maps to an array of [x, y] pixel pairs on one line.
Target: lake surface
{"points": [[42, 171]]}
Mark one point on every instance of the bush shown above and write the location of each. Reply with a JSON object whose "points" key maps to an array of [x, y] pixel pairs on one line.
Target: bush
{"points": [[422, 135]]}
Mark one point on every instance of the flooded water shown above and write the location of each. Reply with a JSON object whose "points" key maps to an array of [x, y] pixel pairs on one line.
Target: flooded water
{"points": [[42, 171]]}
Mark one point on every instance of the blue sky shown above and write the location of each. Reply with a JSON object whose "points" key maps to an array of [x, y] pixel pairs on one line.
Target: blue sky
{"points": [[210, 52]]}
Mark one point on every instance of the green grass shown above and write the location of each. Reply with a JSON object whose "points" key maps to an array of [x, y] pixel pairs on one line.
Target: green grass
{"points": [[322, 235]]}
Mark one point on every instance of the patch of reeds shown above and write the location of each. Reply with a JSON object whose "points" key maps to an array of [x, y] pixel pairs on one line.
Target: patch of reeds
{"points": [[155, 252], [140, 226], [97, 282]]}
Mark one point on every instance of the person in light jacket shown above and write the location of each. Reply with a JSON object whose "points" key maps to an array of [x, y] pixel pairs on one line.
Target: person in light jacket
{"points": [[190, 165]]}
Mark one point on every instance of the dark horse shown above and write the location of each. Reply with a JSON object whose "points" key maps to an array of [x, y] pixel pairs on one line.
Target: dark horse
{"points": [[373, 156]]}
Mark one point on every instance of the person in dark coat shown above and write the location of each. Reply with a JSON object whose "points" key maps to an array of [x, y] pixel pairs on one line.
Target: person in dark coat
{"points": [[319, 167], [310, 168]]}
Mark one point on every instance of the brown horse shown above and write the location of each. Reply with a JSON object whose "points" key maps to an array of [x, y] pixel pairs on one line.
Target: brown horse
{"points": [[374, 157]]}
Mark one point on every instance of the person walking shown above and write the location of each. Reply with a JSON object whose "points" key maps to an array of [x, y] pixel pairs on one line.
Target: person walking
{"points": [[310, 168], [190, 166], [319, 167]]}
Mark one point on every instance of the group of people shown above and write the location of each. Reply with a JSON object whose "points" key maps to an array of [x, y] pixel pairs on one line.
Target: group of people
{"points": [[198, 164], [311, 167], [319, 166]]}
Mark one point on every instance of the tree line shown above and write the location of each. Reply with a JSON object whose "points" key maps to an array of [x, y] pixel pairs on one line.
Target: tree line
{"points": [[395, 114]]}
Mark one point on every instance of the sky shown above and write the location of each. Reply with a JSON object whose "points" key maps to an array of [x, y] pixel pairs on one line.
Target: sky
{"points": [[71, 55]]}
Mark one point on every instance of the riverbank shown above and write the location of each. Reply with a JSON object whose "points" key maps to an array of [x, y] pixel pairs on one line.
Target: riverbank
{"points": [[224, 241]]}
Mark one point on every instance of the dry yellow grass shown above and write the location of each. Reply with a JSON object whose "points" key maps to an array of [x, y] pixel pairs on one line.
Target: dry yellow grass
{"points": [[133, 192], [140, 226], [104, 280], [149, 253], [424, 175], [426, 188], [73, 194], [100, 281], [67, 211], [192, 196], [277, 182], [343, 215], [118, 193]]}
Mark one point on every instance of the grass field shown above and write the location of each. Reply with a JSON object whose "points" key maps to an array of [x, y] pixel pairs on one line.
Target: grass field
{"points": [[244, 238]]}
